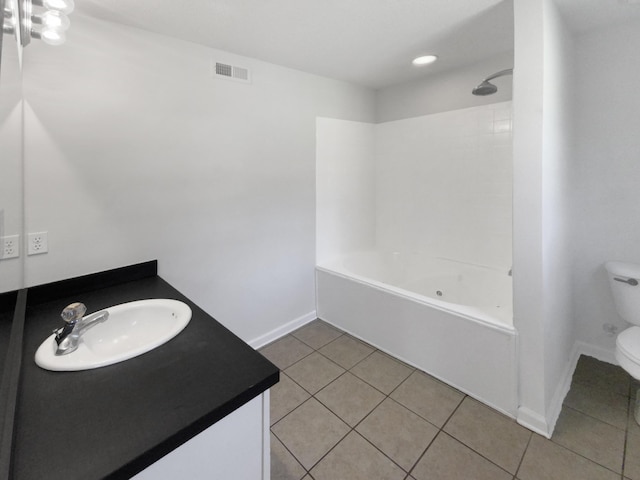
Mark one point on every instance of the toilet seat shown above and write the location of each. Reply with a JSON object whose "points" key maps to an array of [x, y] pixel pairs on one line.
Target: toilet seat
{"points": [[628, 351]]}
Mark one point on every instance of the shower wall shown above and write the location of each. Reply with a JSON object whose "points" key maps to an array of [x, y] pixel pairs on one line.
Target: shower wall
{"points": [[443, 185], [440, 184], [345, 187]]}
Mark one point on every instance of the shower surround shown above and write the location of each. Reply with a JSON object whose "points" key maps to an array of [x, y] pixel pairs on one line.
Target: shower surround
{"points": [[435, 188]]}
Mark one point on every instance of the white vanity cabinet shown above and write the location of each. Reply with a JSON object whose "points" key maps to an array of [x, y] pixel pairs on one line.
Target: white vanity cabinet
{"points": [[236, 447]]}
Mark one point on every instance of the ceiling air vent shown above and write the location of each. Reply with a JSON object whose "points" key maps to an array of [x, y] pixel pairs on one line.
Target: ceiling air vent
{"points": [[232, 72]]}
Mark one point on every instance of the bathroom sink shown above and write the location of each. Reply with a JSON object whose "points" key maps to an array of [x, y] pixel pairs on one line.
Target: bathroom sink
{"points": [[131, 329]]}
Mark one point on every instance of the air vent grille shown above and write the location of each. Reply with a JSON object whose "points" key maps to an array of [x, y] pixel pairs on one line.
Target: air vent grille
{"points": [[223, 69], [232, 72]]}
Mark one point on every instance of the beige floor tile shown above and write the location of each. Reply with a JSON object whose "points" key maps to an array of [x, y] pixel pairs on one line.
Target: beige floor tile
{"points": [[429, 398], [634, 387], [286, 351], [632, 425], [314, 372], [285, 396], [398, 432], [350, 398], [317, 334], [382, 371], [346, 351], [310, 431], [492, 434], [283, 465], [632, 457], [545, 460], [591, 438], [605, 405], [595, 373], [356, 459], [448, 459]]}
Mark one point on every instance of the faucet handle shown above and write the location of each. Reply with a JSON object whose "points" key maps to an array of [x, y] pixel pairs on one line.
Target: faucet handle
{"points": [[73, 312]]}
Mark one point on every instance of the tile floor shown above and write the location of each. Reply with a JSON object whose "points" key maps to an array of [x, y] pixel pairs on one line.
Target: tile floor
{"points": [[343, 410]]}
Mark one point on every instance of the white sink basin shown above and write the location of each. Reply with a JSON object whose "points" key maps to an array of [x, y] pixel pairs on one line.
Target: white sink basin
{"points": [[132, 329]]}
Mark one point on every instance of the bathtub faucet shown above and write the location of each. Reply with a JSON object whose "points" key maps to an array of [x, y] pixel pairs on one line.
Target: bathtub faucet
{"points": [[76, 324]]}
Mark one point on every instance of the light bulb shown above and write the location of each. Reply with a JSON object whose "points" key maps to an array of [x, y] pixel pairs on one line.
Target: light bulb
{"points": [[52, 19], [52, 36], [425, 60], [64, 6]]}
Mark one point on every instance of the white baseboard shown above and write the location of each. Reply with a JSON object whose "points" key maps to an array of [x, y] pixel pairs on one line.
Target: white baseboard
{"points": [[599, 353], [545, 426], [281, 331], [533, 421], [563, 388]]}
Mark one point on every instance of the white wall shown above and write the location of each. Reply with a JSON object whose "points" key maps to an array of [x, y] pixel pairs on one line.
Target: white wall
{"points": [[134, 152], [443, 92], [557, 158], [541, 247], [607, 173], [443, 185], [345, 188], [11, 213]]}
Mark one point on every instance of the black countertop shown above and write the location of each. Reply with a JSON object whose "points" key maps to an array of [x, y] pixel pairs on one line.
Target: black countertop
{"points": [[114, 421]]}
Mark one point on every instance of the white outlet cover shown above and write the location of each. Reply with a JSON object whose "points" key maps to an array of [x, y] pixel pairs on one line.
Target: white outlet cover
{"points": [[37, 243], [10, 247]]}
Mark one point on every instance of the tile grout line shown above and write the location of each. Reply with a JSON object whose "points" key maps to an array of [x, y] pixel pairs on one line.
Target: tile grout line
{"points": [[591, 459], [290, 452], [440, 429], [630, 405], [523, 454], [386, 396], [564, 405], [313, 395], [586, 458], [352, 429]]}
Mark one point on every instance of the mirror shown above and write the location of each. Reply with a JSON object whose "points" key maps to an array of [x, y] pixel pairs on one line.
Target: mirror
{"points": [[11, 179]]}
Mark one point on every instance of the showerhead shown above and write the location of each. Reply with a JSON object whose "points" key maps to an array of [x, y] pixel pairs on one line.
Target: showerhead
{"points": [[487, 88]]}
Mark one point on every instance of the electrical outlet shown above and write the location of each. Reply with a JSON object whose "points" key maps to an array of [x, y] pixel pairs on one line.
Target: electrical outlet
{"points": [[10, 247], [37, 243]]}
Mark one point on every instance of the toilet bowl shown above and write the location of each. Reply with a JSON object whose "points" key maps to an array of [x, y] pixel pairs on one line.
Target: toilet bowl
{"points": [[624, 280]]}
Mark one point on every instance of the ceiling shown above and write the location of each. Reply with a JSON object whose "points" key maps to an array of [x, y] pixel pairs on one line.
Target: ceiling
{"points": [[585, 15], [367, 42]]}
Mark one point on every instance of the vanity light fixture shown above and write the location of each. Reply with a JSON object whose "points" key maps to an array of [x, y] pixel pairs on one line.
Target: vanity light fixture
{"points": [[7, 19], [424, 60], [48, 22]]}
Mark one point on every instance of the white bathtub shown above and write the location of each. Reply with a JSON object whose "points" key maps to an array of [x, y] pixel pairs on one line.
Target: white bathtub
{"points": [[450, 319]]}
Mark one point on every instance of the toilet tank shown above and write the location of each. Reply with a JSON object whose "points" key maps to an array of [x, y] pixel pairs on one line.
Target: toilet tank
{"points": [[624, 280]]}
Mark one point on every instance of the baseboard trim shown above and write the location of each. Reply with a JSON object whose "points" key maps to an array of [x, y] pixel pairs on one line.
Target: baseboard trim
{"points": [[545, 426], [599, 353], [563, 388], [282, 330], [533, 421]]}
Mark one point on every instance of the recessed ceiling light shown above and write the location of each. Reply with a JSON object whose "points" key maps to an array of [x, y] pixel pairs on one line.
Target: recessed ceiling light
{"points": [[424, 60]]}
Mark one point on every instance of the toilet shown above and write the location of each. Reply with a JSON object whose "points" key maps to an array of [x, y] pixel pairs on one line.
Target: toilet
{"points": [[624, 280]]}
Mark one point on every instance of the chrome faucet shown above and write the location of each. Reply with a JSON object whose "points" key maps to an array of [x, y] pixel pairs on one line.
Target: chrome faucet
{"points": [[67, 337]]}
